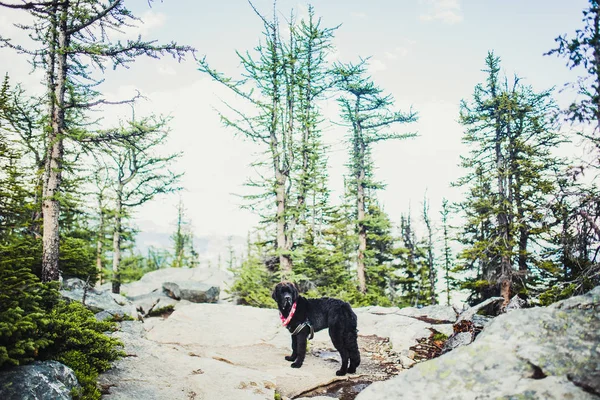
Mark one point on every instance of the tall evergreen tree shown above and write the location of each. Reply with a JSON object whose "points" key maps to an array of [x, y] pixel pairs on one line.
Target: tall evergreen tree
{"points": [[511, 131], [283, 82], [413, 268], [369, 117], [139, 174], [184, 254]]}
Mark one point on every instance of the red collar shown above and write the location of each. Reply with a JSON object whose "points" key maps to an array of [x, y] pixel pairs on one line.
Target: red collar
{"points": [[287, 320]]}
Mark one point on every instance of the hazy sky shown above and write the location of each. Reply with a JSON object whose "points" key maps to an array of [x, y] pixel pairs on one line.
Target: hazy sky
{"points": [[427, 53]]}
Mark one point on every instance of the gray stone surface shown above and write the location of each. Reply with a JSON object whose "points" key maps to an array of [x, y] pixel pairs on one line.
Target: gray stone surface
{"points": [[436, 313], [153, 281], [156, 299], [196, 292], [538, 353], [403, 331], [73, 283], [47, 380], [225, 351], [98, 301]]}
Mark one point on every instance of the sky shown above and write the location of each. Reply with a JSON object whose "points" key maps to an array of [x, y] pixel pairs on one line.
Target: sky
{"points": [[427, 53]]}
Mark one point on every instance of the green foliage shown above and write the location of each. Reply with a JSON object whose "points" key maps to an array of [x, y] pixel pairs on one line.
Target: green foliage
{"points": [[253, 283], [35, 324], [78, 341], [76, 256], [158, 311], [510, 180], [184, 253], [21, 315]]}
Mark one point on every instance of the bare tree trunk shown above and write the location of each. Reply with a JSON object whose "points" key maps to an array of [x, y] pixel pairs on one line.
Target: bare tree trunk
{"points": [[432, 274], [56, 75], [362, 229], [116, 279], [502, 217], [100, 242], [285, 261]]}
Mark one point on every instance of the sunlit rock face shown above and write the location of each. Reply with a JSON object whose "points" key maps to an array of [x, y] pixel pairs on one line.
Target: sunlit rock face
{"points": [[538, 353]]}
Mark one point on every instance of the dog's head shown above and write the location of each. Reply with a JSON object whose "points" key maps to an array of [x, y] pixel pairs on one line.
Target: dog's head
{"points": [[285, 294]]}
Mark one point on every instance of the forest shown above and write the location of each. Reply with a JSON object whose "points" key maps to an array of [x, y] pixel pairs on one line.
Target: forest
{"points": [[528, 222]]}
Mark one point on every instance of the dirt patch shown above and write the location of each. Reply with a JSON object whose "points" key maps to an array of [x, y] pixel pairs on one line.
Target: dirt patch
{"points": [[378, 362]]}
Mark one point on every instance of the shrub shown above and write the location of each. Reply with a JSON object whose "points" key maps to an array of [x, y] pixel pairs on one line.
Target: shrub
{"points": [[78, 341], [36, 324], [21, 314]]}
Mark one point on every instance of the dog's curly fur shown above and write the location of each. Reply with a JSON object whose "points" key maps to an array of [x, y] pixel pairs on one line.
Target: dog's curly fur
{"points": [[335, 314]]}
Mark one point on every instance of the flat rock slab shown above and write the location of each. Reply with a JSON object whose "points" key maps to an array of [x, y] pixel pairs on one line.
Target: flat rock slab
{"points": [[225, 351]]}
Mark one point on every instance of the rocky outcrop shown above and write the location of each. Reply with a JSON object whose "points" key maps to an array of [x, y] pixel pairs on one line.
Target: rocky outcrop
{"points": [[537, 353], [74, 290], [196, 292], [47, 380]]}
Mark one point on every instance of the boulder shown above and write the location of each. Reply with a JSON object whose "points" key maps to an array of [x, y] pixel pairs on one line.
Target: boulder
{"points": [[196, 292], [47, 380], [403, 331], [536, 353], [154, 280], [73, 283], [98, 301]]}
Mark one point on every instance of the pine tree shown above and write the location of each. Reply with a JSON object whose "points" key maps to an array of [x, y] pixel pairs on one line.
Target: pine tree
{"points": [[184, 254], [139, 174], [283, 82], [512, 132], [369, 116], [581, 203], [413, 270]]}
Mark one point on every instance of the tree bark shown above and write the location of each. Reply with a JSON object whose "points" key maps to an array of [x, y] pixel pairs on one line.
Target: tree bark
{"points": [[285, 261], [56, 75], [362, 229], [116, 279], [100, 242]]}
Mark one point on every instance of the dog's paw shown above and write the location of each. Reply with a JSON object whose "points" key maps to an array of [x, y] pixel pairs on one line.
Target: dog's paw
{"points": [[296, 365], [351, 370], [340, 372], [290, 358]]}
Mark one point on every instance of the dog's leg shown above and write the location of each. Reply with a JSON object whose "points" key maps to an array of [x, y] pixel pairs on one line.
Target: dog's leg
{"points": [[294, 350], [338, 342], [300, 347], [352, 346]]}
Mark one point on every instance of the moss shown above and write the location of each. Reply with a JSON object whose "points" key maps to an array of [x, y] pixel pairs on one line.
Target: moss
{"points": [[157, 312]]}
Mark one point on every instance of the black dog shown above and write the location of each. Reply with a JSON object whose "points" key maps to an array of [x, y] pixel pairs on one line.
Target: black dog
{"points": [[304, 316]]}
